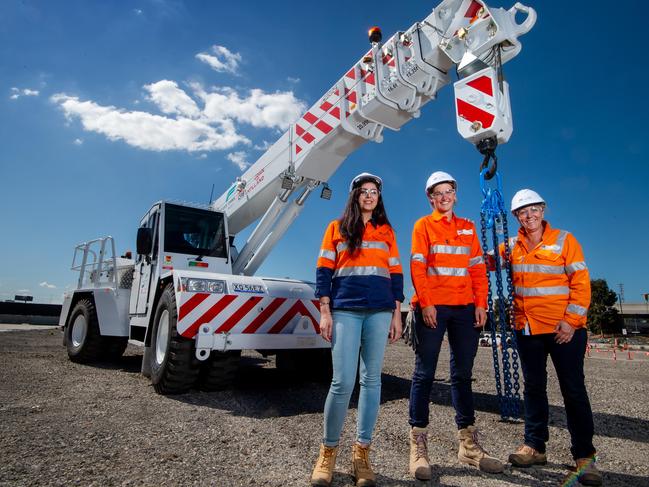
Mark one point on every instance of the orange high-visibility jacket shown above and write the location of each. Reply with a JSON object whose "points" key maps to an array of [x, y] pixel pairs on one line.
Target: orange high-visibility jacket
{"points": [[446, 263], [551, 281], [371, 278]]}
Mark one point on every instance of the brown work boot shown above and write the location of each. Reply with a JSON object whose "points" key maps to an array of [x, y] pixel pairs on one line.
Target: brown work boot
{"points": [[526, 456], [472, 453], [324, 466], [587, 471], [361, 468], [419, 462]]}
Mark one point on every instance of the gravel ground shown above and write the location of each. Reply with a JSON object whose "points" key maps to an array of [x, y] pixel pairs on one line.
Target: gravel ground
{"points": [[103, 425]]}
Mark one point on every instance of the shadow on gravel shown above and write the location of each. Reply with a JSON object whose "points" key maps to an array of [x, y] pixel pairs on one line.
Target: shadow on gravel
{"points": [[285, 395], [610, 425]]}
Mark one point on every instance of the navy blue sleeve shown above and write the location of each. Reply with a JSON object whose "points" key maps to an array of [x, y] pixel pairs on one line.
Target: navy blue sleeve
{"points": [[397, 287], [323, 277]]}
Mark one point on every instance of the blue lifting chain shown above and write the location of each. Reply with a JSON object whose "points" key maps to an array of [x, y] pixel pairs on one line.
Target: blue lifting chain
{"points": [[493, 216]]}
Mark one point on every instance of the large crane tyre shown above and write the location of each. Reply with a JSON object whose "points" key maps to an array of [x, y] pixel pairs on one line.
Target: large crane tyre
{"points": [[219, 371], [82, 337], [174, 368]]}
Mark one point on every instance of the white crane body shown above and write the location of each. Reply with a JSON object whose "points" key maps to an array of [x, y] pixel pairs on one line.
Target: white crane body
{"points": [[193, 295]]}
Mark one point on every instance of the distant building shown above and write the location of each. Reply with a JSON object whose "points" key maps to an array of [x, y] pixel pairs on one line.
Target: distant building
{"points": [[635, 316]]}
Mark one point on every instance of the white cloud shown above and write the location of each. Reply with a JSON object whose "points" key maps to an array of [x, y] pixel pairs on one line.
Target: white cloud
{"points": [[222, 60], [78, 141], [263, 146], [47, 285], [171, 99], [202, 156], [149, 131], [17, 93], [238, 159], [293, 80], [137, 11], [259, 109]]}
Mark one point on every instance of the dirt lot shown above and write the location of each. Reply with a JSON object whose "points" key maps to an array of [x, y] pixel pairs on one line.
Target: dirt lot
{"points": [[68, 424]]}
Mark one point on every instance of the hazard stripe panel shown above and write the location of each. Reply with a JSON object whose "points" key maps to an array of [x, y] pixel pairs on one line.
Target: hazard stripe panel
{"points": [[483, 84], [473, 114], [209, 315], [324, 127], [310, 117], [240, 313], [473, 9], [189, 305], [264, 315]]}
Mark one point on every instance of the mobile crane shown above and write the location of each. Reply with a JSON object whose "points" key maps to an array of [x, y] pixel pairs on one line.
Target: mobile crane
{"points": [[190, 299]]}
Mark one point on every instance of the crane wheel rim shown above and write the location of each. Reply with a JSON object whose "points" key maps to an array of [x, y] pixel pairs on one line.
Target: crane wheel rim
{"points": [[162, 338], [79, 330]]}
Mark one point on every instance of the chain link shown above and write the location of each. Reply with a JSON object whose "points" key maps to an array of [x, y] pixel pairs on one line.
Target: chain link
{"points": [[493, 216]]}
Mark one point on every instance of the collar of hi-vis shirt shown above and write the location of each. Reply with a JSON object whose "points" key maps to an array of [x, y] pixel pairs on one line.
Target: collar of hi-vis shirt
{"points": [[437, 216], [522, 236]]}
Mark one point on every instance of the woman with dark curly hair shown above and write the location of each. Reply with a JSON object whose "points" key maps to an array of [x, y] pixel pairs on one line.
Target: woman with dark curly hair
{"points": [[359, 282]]}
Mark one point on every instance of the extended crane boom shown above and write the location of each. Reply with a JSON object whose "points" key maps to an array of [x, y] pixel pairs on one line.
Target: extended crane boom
{"points": [[386, 87]]}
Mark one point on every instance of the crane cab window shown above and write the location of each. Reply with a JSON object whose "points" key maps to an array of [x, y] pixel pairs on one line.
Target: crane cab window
{"points": [[194, 231]]}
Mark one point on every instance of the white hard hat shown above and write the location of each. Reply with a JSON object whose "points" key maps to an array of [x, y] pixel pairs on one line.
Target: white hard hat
{"points": [[439, 177], [526, 197], [362, 177]]}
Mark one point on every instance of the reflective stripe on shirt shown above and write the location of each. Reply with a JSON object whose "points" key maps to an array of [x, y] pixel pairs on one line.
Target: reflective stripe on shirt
{"points": [[392, 261], [448, 271], [542, 291], [476, 260], [538, 268], [450, 249], [368, 270], [365, 244], [328, 254], [418, 258], [576, 309], [576, 266]]}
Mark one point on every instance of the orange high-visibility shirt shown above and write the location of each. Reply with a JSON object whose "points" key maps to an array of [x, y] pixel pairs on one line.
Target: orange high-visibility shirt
{"points": [[446, 263], [551, 281], [370, 278]]}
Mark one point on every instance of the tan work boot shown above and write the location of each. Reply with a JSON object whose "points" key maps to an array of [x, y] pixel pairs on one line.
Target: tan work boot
{"points": [[526, 456], [472, 453], [419, 462], [361, 468], [587, 471], [324, 466]]}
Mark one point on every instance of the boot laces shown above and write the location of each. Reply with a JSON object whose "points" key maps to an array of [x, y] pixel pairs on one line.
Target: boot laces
{"points": [[422, 450], [363, 456], [325, 459], [475, 437]]}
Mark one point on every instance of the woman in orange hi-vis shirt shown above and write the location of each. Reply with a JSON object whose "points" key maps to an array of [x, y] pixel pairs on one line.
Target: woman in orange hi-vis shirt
{"points": [[359, 282], [551, 299], [450, 280]]}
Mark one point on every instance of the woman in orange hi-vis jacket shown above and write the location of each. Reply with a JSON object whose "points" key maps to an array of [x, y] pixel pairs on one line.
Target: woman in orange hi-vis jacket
{"points": [[551, 299], [450, 280], [359, 282]]}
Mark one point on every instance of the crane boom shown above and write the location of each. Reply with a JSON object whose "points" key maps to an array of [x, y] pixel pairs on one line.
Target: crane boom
{"points": [[386, 87]]}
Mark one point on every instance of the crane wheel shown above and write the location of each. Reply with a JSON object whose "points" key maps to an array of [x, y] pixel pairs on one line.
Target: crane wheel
{"points": [[83, 340], [174, 368], [219, 371]]}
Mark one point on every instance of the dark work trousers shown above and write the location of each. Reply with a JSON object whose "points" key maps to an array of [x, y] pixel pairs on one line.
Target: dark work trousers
{"points": [[463, 340], [568, 360]]}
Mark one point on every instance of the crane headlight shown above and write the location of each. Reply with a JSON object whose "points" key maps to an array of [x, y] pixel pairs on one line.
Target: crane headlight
{"points": [[195, 285]]}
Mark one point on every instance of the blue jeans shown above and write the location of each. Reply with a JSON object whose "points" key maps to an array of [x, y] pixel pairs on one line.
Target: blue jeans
{"points": [[568, 360], [362, 332], [463, 341]]}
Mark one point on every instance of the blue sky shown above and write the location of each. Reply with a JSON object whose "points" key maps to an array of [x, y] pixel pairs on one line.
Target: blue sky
{"points": [[96, 103]]}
